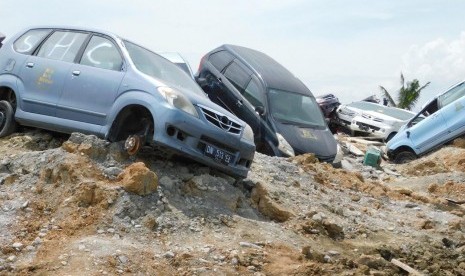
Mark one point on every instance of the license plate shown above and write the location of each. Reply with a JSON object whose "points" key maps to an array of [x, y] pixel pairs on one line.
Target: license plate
{"points": [[218, 155]]}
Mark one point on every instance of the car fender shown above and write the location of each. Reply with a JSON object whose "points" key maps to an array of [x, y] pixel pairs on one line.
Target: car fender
{"points": [[401, 140], [127, 98], [14, 83]]}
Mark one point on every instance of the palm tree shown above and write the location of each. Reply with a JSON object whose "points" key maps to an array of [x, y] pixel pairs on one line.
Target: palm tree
{"points": [[408, 94]]}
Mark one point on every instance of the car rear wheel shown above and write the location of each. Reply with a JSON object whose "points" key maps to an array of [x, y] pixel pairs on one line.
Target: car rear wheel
{"points": [[404, 157], [7, 119]]}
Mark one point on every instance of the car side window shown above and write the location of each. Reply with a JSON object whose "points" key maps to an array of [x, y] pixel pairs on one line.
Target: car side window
{"points": [[220, 59], [254, 94], [237, 76], [62, 45], [29, 41], [102, 53], [452, 95]]}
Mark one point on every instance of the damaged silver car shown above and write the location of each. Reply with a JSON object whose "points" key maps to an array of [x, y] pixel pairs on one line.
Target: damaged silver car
{"points": [[94, 82]]}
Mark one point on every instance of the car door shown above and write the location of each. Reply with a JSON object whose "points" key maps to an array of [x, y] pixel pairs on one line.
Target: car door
{"points": [[242, 93], [453, 110], [429, 132], [91, 85], [44, 73]]}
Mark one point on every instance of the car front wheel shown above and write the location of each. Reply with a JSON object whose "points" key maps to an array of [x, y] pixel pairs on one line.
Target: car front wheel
{"points": [[7, 119], [404, 157]]}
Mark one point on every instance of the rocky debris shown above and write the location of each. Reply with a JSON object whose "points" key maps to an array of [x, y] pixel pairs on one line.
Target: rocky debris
{"points": [[67, 210], [267, 206], [138, 179]]}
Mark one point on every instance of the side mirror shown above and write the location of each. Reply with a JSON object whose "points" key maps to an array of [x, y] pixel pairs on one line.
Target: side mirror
{"points": [[201, 81], [260, 110], [2, 37]]}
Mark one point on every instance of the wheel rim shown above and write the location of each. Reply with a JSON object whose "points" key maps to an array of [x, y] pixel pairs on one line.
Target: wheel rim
{"points": [[132, 144]]}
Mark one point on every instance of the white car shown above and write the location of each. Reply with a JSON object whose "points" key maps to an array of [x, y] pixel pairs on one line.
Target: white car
{"points": [[374, 119]]}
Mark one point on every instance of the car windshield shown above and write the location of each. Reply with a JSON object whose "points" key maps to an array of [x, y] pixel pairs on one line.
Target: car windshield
{"points": [[293, 108], [160, 68], [399, 114]]}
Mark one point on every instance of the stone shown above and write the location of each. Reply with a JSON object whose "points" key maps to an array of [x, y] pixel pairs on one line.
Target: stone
{"points": [[335, 231], [169, 255], [36, 241], [18, 246], [425, 224], [112, 172], [123, 259], [248, 244], [11, 258], [138, 179], [267, 206], [403, 191]]}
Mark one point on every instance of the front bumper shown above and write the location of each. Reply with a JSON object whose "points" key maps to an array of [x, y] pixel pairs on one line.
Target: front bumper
{"points": [[381, 131], [188, 136]]}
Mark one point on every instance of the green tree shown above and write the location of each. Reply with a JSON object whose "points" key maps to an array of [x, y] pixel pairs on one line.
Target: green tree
{"points": [[408, 93]]}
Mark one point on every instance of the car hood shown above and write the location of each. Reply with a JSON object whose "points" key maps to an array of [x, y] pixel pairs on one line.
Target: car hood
{"points": [[309, 140]]}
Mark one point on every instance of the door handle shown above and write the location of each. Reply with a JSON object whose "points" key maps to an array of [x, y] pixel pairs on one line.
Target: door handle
{"points": [[29, 64], [239, 103], [76, 73]]}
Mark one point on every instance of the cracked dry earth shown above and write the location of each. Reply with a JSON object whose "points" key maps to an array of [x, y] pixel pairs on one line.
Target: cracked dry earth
{"points": [[79, 206]]}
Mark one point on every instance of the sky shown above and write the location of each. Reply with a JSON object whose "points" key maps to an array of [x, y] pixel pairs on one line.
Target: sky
{"points": [[345, 47]]}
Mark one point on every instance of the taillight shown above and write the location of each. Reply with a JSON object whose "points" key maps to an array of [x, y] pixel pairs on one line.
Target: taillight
{"points": [[202, 60]]}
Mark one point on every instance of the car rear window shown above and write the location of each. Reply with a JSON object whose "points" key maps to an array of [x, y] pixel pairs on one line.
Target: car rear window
{"points": [[220, 59], [28, 42]]}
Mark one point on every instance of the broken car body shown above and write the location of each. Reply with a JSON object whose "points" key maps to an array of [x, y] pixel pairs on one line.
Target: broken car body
{"points": [[281, 110], [373, 119], [94, 82], [445, 121]]}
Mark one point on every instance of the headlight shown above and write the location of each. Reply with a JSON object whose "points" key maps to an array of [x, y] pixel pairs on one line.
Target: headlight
{"points": [[248, 133], [284, 145], [178, 100]]}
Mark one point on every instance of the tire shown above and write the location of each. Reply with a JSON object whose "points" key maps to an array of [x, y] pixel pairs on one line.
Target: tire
{"points": [[405, 157], [7, 119]]}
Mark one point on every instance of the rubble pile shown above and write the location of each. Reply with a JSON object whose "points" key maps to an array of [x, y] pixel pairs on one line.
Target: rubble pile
{"points": [[80, 205]]}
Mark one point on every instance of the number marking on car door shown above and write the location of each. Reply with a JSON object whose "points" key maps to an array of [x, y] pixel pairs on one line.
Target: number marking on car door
{"points": [[46, 77]]}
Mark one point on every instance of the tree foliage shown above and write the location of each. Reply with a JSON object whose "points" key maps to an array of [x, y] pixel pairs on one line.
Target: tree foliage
{"points": [[408, 94]]}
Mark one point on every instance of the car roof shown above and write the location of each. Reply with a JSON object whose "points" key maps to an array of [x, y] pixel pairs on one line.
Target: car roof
{"points": [[74, 28], [272, 73]]}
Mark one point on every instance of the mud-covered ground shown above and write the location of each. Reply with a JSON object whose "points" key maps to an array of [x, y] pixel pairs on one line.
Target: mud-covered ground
{"points": [[79, 206]]}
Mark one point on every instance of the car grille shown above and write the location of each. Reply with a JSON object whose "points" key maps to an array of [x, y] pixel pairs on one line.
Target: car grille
{"points": [[367, 126], [376, 119], [221, 121]]}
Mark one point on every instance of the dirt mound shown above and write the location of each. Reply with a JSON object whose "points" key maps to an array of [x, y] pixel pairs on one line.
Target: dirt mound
{"points": [[88, 208]]}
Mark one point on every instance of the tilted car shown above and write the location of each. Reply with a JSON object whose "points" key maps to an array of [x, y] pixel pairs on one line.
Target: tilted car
{"points": [[328, 104], [373, 119], [82, 80], [281, 110], [440, 121]]}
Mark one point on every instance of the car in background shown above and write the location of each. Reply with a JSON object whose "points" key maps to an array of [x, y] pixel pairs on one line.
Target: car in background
{"points": [[281, 110], [94, 82], [441, 120], [328, 104], [373, 119], [177, 59]]}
